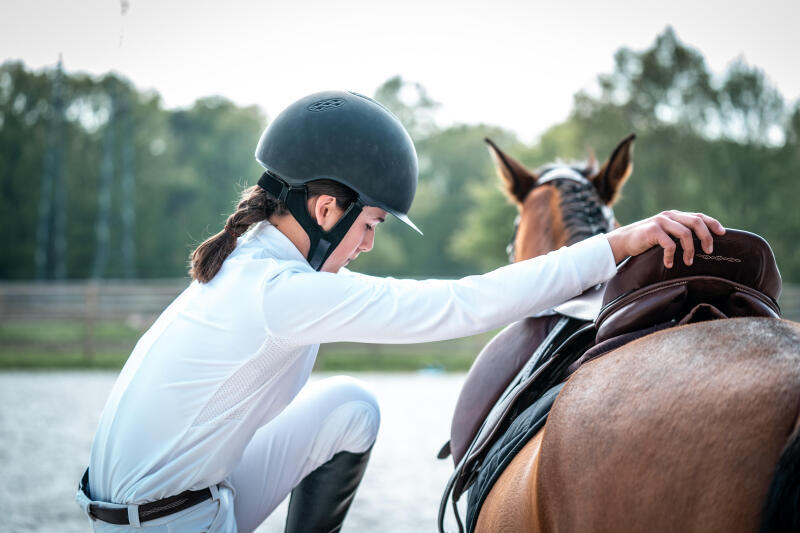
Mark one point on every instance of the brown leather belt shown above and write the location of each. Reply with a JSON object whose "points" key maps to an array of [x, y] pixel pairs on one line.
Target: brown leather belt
{"points": [[147, 511]]}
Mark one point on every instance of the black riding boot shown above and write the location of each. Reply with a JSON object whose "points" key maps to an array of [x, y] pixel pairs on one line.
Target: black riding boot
{"points": [[320, 502]]}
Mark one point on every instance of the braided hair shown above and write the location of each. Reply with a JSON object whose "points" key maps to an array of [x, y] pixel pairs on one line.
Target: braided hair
{"points": [[255, 205]]}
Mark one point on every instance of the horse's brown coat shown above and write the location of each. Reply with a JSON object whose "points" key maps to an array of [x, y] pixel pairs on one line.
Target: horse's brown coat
{"points": [[511, 505], [678, 431], [539, 234]]}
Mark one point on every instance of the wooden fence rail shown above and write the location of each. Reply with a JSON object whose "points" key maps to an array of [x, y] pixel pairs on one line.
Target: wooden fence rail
{"points": [[136, 303], [112, 300]]}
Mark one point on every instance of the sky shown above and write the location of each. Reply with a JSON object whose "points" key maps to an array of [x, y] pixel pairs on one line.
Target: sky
{"points": [[514, 64]]}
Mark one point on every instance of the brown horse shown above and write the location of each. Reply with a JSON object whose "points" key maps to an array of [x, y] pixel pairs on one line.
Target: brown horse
{"points": [[694, 428]]}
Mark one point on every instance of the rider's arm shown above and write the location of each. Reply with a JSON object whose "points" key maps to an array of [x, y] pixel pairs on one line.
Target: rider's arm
{"points": [[318, 307]]}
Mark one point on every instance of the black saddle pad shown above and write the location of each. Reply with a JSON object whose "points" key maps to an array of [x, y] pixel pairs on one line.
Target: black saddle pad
{"points": [[524, 427]]}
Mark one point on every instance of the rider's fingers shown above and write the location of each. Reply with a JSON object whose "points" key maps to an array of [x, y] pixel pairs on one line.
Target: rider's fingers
{"points": [[712, 223], [698, 224], [667, 244], [683, 234]]}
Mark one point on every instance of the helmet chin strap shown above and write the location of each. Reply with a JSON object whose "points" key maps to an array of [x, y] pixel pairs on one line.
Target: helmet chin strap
{"points": [[322, 243]]}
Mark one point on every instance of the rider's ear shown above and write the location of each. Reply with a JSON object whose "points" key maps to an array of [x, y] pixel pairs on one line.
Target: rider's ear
{"points": [[325, 210], [612, 175], [518, 180]]}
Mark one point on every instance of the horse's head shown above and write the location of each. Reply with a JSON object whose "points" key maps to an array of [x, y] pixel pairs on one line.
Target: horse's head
{"points": [[560, 204]]}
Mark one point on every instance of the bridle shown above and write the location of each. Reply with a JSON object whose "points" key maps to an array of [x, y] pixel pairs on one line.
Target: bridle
{"points": [[584, 212]]}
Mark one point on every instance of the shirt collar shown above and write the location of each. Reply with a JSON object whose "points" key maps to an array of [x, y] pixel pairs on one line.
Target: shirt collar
{"points": [[275, 243]]}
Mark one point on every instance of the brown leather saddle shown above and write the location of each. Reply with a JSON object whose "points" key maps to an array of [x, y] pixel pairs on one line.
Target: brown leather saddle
{"points": [[740, 278]]}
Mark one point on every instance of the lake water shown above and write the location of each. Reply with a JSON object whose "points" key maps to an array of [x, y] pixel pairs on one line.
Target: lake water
{"points": [[48, 420]]}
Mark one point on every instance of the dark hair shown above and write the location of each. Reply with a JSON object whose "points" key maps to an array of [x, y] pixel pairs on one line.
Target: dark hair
{"points": [[255, 205]]}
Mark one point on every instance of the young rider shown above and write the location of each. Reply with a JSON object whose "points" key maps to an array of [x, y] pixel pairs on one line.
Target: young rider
{"points": [[211, 423]]}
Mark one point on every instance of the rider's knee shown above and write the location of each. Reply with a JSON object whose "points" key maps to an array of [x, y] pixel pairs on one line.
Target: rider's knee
{"points": [[353, 424]]}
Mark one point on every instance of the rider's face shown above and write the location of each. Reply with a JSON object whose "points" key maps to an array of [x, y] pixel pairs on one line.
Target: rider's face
{"points": [[359, 238]]}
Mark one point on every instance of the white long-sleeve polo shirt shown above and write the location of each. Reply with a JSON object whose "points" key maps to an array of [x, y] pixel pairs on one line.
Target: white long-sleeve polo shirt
{"points": [[227, 356]]}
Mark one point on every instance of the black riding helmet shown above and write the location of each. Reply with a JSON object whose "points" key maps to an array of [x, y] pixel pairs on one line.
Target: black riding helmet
{"points": [[344, 137]]}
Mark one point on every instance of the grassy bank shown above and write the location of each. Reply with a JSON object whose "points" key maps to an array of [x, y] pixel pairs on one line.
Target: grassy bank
{"points": [[328, 361], [44, 345], [395, 358], [68, 345], [38, 359]]}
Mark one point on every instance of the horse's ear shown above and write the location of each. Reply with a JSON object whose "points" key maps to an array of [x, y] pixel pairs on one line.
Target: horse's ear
{"points": [[518, 180], [591, 164], [612, 175]]}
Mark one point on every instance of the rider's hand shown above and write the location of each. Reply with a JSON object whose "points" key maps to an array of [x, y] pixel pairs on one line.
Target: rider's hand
{"points": [[635, 238]]}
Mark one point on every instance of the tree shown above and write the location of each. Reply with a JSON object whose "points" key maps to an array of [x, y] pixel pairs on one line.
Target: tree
{"points": [[750, 109], [725, 146], [190, 167], [411, 104]]}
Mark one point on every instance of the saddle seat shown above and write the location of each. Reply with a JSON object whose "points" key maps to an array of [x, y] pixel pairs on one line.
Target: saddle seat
{"points": [[740, 278]]}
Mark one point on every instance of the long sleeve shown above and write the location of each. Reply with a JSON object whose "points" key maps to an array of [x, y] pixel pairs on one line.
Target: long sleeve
{"points": [[316, 307]]}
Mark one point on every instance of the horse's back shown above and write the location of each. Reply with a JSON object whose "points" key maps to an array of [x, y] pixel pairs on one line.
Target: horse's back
{"points": [[678, 431]]}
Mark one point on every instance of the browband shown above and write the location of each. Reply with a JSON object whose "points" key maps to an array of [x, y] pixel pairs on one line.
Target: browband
{"points": [[562, 173], [295, 197]]}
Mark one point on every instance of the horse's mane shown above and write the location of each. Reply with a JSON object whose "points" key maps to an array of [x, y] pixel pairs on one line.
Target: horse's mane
{"points": [[582, 211]]}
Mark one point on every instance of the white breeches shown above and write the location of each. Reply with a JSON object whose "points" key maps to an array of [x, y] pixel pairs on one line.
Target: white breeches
{"points": [[327, 417]]}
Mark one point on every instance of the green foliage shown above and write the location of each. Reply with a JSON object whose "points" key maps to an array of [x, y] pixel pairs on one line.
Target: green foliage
{"points": [[452, 161], [65, 332], [48, 360], [726, 145], [24, 104], [410, 103], [395, 361], [668, 82], [484, 237], [189, 165]]}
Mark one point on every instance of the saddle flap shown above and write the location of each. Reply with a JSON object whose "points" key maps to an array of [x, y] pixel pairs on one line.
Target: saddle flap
{"points": [[672, 300], [655, 307], [502, 359], [491, 373], [567, 340], [740, 303]]}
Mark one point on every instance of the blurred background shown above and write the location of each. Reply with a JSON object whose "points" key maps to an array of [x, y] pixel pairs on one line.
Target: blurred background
{"points": [[127, 131]]}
